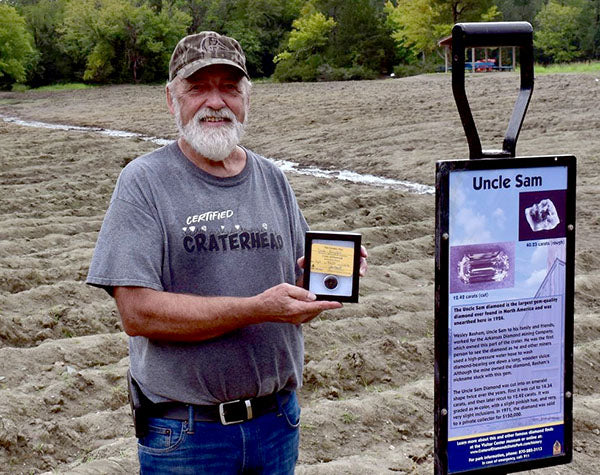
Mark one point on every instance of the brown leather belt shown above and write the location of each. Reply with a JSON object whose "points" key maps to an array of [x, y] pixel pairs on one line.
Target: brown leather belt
{"points": [[231, 412]]}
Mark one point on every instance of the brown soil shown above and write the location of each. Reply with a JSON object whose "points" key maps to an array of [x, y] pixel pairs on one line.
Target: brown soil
{"points": [[368, 391]]}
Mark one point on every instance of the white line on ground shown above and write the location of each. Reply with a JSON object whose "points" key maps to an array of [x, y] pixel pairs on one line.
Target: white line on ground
{"points": [[344, 175]]}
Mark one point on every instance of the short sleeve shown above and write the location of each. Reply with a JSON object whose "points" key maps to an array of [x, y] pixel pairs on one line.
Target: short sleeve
{"points": [[129, 250], [298, 225]]}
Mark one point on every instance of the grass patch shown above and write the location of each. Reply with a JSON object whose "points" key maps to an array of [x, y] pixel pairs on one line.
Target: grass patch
{"points": [[71, 86], [586, 67], [64, 87], [348, 418]]}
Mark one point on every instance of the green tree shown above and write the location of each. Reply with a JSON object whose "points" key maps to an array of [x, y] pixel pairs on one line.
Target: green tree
{"points": [[309, 36], [421, 23], [305, 47], [45, 20], [361, 37], [122, 41], [196, 9], [338, 39], [558, 32], [590, 29], [259, 25], [417, 24], [520, 10], [16, 50], [468, 10]]}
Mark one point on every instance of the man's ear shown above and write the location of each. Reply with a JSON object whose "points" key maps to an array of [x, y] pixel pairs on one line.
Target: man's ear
{"points": [[248, 89], [170, 100]]}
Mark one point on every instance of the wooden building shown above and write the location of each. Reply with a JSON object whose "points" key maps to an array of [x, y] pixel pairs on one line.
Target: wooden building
{"points": [[475, 65]]}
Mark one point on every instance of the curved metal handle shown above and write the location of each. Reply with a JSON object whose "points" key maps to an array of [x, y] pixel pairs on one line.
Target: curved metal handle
{"points": [[465, 35]]}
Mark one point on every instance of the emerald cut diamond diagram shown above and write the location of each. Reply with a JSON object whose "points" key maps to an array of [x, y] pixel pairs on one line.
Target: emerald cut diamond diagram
{"points": [[482, 267], [490, 266]]}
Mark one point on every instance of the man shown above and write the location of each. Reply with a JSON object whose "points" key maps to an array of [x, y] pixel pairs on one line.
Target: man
{"points": [[201, 248]]}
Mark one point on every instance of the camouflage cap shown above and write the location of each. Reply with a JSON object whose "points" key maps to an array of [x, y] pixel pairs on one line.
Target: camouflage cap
{"points": [[198, 51]]}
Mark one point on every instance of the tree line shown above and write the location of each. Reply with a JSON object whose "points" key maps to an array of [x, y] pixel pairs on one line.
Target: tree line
{"points": [[130, 41]]}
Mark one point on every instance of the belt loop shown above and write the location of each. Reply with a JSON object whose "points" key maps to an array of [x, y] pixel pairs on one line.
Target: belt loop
{"points": [[280, 403], [190, 419], [283, 398]]}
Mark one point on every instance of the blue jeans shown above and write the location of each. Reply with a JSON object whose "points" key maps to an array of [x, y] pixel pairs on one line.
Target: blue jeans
{"points": [[266, 445]]}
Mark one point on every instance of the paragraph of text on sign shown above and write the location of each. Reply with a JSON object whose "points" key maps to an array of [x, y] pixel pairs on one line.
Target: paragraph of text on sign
{"points": [[499, 366]]}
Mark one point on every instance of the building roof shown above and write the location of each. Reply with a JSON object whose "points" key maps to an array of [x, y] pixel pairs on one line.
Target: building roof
{"points": [[447, 41]]}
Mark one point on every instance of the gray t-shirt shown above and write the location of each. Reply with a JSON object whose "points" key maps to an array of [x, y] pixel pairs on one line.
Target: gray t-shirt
{"points": [[172, 227]]}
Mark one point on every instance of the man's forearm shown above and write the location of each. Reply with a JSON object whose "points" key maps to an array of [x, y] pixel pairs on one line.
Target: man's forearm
{"points": [[181, 317]]}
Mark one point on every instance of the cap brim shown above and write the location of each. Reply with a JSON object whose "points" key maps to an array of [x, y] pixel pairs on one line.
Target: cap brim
{"points": [[196, 66]]}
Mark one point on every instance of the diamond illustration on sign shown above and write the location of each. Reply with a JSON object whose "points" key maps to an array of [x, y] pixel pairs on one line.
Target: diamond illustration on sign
{"points": [[542, 216], [492, 266], [482, 267]]}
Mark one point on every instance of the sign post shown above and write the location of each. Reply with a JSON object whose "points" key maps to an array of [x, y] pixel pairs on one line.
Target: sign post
{"points": [[505, 247]]}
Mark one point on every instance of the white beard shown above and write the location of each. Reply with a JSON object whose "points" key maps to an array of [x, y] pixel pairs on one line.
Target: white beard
{"points": [[214, 143]]}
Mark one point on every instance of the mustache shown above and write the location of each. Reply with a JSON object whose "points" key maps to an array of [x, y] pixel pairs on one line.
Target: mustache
{"points": [[224, 113]]}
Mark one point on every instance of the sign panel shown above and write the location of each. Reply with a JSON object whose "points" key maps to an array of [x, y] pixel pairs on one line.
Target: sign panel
{"points": [[504, 310]]}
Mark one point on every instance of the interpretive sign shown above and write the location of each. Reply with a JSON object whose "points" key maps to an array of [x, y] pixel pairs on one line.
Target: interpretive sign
{"points": [[332, 264], [504, 313]]}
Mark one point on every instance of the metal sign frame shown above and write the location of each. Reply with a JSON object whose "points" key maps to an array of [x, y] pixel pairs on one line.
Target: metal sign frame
{"points": [[490, 34], [442, 285], [497, 161]]}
